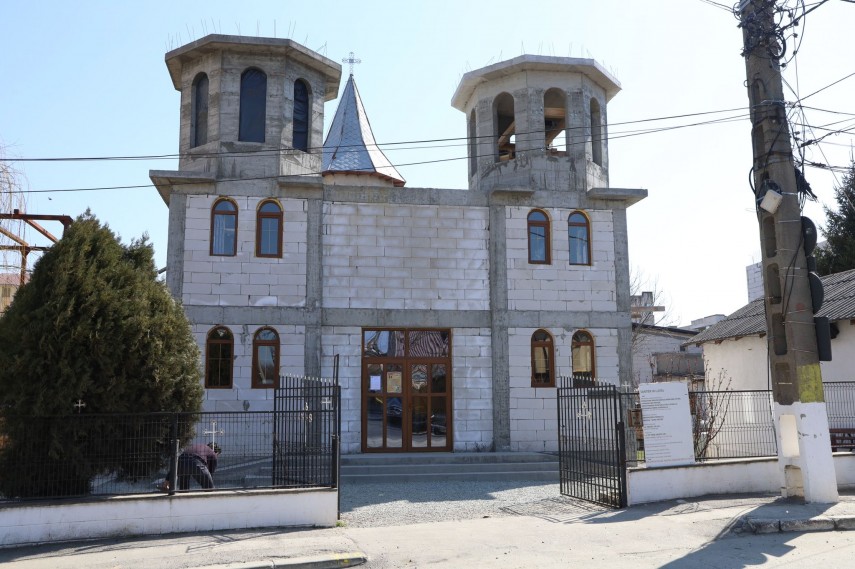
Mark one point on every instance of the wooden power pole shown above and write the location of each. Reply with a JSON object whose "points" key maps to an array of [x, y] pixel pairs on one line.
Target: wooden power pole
{"points": [[792, 294]]}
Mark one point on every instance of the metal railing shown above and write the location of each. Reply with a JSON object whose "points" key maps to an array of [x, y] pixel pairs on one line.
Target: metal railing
{"points": [[109, 455]]}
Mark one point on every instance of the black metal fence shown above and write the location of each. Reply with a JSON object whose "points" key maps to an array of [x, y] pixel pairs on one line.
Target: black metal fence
{"points": [[293, 446], [591, 444], [725, 424]]}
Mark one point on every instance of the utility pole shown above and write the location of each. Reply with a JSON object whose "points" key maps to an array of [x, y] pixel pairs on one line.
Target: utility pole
{"points": [[792, 296]]}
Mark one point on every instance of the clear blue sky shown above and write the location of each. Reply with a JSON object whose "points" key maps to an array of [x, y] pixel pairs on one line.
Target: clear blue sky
{"points": [[88, 79]]}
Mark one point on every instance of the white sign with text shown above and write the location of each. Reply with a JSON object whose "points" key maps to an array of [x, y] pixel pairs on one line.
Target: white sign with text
{"points": [[667, 424]]}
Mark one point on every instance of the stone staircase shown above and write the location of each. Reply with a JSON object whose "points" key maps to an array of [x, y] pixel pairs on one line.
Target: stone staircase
{"points": [[411, 467]]}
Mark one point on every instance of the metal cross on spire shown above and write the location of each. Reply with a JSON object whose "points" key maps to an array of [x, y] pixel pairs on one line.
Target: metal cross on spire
{"points": [[351, 60]]}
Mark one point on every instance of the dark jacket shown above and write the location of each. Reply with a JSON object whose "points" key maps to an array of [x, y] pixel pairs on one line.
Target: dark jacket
{"points": [[204, 452]]}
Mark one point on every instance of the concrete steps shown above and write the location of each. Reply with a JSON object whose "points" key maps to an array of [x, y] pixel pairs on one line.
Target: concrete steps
{"points": [[411, 467]]}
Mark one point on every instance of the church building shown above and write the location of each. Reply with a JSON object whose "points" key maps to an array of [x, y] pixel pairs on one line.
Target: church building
{"points": [[453, 312]]}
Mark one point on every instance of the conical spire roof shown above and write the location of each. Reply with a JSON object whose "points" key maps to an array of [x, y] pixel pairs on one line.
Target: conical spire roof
{"points": [[350, 147]]}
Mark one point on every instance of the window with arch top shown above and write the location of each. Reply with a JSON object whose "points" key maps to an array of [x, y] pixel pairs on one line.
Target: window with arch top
{"points": [[582, 355], [579, 236], [542, 359], [268, 230], [538, 237], [253, 105], [265, 358], [224, 228], [300, 121], [219, 358], [199, 116]]}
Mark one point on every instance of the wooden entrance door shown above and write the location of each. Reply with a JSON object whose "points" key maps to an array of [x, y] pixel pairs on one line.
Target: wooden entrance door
{"points": [[406, 390]]}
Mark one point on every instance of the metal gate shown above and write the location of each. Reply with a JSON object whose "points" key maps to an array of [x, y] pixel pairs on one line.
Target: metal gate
{"points": [[591, 443], [307, 431]]}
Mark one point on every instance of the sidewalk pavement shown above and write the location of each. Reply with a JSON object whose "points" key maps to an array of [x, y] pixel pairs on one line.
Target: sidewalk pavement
{"points": [[726, 530]]}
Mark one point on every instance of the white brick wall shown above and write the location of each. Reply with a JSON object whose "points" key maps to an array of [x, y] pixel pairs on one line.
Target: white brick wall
{"points": [[405, 256], [346, 341], [244, 280], [242, 397], [533, 410], [560, 285], [472, 387]]}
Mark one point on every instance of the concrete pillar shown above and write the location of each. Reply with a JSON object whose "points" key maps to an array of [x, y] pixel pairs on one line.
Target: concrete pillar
{"points": [[175, 244], [804, 453], [622, 292], [499, 329], [314, 286]]}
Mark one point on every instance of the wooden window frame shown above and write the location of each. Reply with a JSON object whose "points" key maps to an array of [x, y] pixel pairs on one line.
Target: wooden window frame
{"points": [[549, 344], [574, 344], [214, 214], [280, 217], [256, 344], [587, 226], [547, 237], [209, 342]]}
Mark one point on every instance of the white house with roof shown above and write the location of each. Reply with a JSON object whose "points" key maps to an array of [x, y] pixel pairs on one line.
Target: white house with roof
{"points": [[453, 311], [736, 346]]}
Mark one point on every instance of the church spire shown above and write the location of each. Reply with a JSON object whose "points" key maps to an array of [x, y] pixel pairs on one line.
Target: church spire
{"points": [[350, 148]]}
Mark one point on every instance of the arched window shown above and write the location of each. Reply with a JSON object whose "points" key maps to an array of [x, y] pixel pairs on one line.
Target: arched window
{"points": [[301, 116], [265, 358], [538, 237], [504, 125], [219, 358], [542, 359], [253, 105], [554, 122], [199, 116], [224, 228], [268, 230], [596, 133], [582, 355], [579, 235]]}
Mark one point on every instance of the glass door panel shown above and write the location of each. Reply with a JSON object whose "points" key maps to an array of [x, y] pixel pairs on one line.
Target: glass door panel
{"points": [[438, 422], [419, 422], [374, 422]]}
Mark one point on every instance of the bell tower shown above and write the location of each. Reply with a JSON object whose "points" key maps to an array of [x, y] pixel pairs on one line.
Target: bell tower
{"points": [[251, 107], [537, 122]]}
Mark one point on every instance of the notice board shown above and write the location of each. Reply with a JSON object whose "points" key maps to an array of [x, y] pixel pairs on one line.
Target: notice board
{"points": [[667, 424]]}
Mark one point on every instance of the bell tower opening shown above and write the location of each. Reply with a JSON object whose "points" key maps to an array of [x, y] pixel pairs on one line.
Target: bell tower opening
{"points": [[504, 123]]}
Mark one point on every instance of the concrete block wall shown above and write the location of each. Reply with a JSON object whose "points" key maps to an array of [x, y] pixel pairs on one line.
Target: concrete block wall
{"points": [[346, 341], [405, 257], [472, 389], [244, 279], [242, 397], [560, 286]]}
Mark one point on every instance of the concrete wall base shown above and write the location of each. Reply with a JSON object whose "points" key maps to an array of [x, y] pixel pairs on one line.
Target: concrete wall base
{"points": [[125, 516], [737, 476]]}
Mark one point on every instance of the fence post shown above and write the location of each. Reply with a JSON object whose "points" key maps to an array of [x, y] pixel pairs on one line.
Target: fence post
{"points": [[173, 459]]}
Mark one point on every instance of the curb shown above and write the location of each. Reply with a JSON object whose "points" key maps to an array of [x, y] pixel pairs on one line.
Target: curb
{"points": [[328, 561], [757, 526]]}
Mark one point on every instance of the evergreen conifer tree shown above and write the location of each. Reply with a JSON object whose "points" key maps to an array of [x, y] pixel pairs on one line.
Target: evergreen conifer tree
{"points": [[95, 328], [839, 231]]}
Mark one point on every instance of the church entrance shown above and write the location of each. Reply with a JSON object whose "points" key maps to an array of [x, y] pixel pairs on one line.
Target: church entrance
{"points": [[406, 390]]}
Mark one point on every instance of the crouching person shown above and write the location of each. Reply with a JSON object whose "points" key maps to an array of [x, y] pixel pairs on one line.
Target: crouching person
{"points": [[197, 462]]}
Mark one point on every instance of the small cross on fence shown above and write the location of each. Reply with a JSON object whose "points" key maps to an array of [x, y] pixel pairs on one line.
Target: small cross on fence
{"points": [[584, 413], [214, 432], [351, 59], [326, 403], [79, 406]]}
